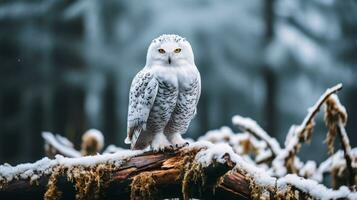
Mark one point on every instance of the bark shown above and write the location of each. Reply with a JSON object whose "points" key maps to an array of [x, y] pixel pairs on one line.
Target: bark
{"points": [[147, 176]]}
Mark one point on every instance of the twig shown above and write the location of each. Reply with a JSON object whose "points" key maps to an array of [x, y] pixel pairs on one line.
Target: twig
{"points": [[285, 160], [54, 146], [251, 126], [315, 109], [336, 119], [244, 144], [347, 152]]}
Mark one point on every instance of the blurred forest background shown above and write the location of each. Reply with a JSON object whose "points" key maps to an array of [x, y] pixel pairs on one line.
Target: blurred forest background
{"points": [[66, 66]]}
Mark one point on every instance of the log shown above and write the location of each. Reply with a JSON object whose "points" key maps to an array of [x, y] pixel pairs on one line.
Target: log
{"points": [[146, 176]]}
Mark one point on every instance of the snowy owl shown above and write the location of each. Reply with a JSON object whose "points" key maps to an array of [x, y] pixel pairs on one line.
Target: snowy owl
{"points": [[163, 95]]}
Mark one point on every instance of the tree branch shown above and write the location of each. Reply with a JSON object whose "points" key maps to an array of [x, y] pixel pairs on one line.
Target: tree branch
{"points": [[285, 160], [202, 170], [145, 175]]}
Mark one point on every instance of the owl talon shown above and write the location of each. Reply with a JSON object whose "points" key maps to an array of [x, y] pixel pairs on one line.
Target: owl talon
{"points": [[160, 143], [177, 140], [181, 145]]}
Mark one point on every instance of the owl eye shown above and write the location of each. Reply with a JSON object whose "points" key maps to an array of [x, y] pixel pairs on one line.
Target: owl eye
{"points": [[161, 51], [178, 50]]}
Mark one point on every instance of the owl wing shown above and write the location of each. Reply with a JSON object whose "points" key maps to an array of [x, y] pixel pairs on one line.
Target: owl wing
{"points": [[198, 95], [142, 95]]}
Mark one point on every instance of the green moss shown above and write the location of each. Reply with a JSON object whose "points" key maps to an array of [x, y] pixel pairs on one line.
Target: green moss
{"points": [[193, 173], [143, 186], [88, 181]]}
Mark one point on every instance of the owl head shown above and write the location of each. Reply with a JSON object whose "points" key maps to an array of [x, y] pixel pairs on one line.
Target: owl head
{"points": [[169, 50]]}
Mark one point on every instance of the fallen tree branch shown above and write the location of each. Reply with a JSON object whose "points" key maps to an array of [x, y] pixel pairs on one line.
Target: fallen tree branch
{"points": [[202, 170], [128, 177]]}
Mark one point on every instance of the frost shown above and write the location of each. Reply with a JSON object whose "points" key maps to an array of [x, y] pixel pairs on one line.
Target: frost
{"points": [[214, 153], [252, 127], [244, 144], [316, 190], [336, 161], [217, 153], [64, 141], [92, 142], [45, 165], [63, 148], [95, 134], [112, 149], [301, 133], [8, 172], [308, 170]]}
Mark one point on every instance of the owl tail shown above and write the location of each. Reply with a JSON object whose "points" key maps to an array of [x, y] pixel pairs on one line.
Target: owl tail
{"points": [[133, 135], [127, 140]]}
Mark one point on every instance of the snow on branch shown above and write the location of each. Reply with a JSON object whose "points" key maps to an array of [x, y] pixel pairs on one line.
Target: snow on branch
{"points": [[56, 144], [336, 119], [203, 166], [92, 144], [243, 144], [336, 165], [251, 126], [285, 161]]}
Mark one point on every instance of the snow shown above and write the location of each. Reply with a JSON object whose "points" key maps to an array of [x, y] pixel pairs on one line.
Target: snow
{"points": [[336, 161], [292, 139], [32, 171], [8, 172], [340, 107], [216, 153], [249, 124], [61, 148], [263, 156], [308, 170], [222, 134], [237, 141], [319, 103], [96, 134], [316, 190], [112, 149], [89, 161], [64, 140], [208, 154]]}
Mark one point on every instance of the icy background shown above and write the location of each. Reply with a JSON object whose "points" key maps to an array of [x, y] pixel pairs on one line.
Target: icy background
{"points": [[66, 66]]}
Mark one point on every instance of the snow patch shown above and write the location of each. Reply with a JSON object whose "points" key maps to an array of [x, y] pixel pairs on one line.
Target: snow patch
{"points": [[32, 171], [316, 190]]}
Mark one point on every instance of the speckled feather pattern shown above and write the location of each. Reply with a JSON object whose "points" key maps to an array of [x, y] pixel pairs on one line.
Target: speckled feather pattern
{"points": [[162, 100]]}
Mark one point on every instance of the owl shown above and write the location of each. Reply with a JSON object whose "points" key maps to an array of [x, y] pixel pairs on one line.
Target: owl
{"points": [[163, 95]]}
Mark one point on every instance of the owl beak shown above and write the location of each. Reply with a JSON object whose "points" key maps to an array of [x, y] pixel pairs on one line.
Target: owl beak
{"points": [[169, 60]]}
